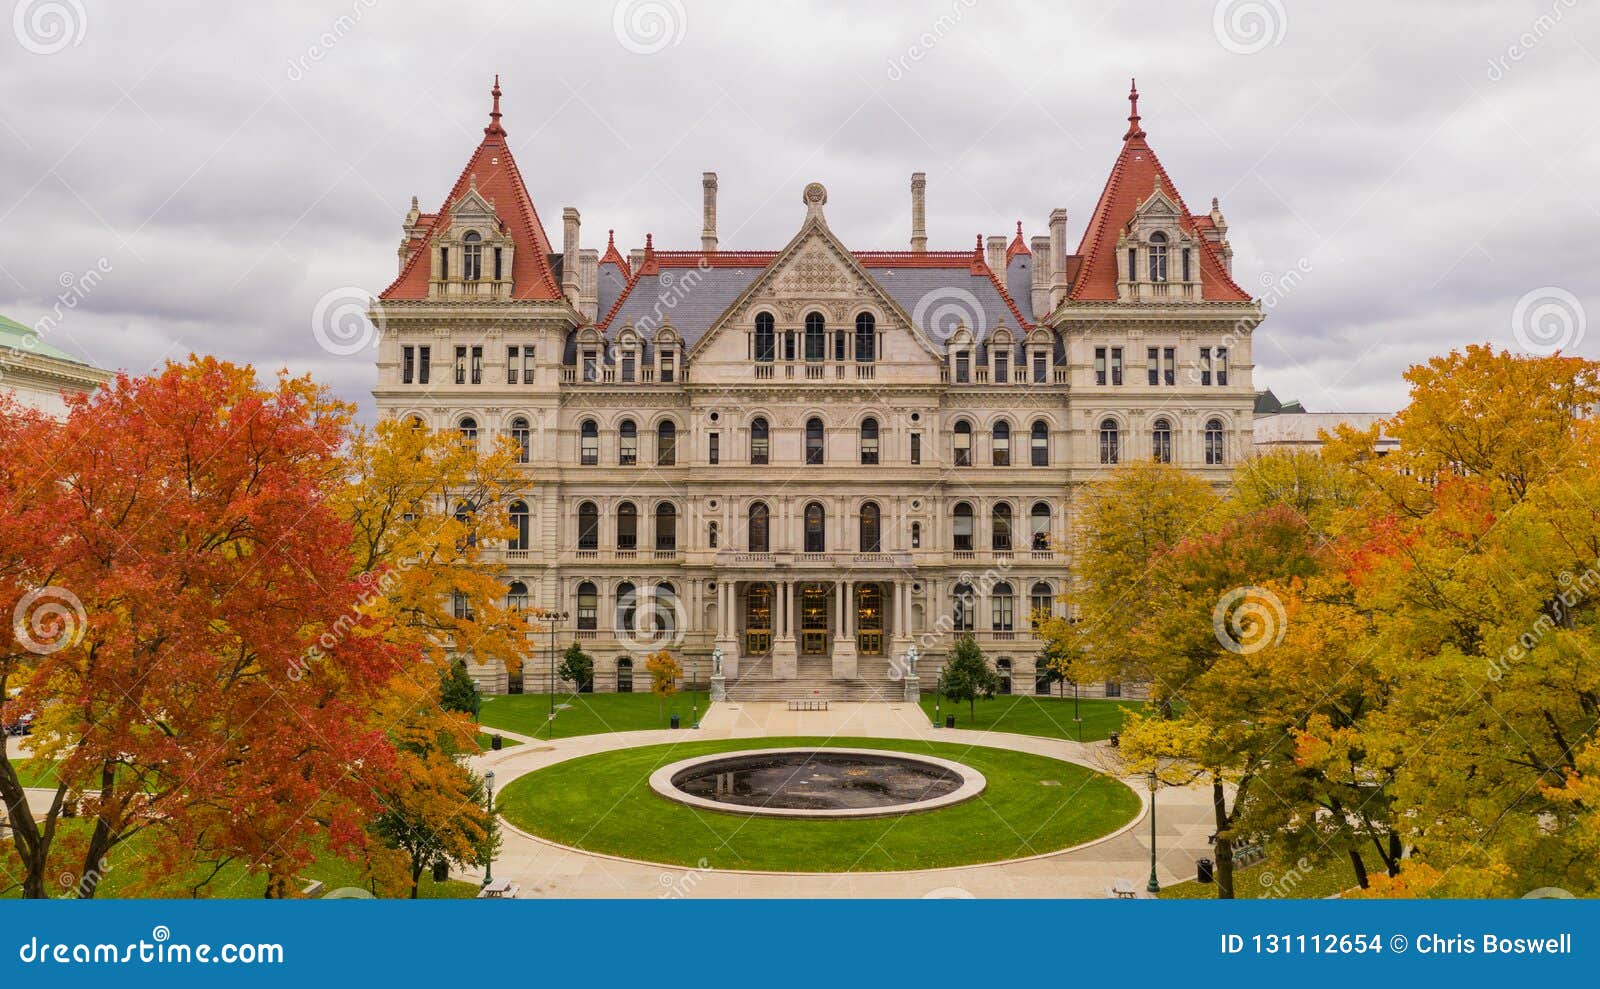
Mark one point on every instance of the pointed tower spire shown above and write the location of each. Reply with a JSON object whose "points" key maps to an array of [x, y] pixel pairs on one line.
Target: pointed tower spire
{"points": [[494, 129], [1018, 245], [978, 267], [1134, 130]]}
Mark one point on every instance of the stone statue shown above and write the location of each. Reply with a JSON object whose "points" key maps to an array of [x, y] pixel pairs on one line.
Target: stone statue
{"points": [[911, 661], [716, 662]]}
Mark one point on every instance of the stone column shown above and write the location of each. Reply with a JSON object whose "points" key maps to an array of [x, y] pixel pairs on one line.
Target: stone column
{"points": [[845, 661], [727, 601], [785, 662]]}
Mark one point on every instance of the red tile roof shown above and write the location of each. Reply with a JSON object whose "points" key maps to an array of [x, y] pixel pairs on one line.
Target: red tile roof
{"points": [[1017, 245], [499, 180], [1136, 174], [613, 256]]}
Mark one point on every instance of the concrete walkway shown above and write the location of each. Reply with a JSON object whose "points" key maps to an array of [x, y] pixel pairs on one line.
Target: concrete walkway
{"points": [[1183, 821]]}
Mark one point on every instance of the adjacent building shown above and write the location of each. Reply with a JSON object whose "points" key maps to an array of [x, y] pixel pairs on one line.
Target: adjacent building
{"points": [[812, 458], [39, 375]]}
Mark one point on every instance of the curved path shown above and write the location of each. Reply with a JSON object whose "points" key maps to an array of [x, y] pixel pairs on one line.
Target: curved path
{"points": [[542, 868]]}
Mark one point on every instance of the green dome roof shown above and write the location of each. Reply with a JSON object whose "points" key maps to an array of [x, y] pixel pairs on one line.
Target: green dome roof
{"points": [[15, 336]]}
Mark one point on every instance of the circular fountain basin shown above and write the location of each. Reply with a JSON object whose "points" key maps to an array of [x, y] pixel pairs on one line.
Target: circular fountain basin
{"points": [[817, 782]]}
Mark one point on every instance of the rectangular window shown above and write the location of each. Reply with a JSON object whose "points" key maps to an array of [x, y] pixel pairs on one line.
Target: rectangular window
{"points": [[477, 365], [497, 268], [916, 448], [512, 354], [424, 358], [1038, 368], [962, 368], [1205, 365], [1116, 365], [591, 366], [527, 365], [1099, 365], [461, 365], [1169, 366], [788, 346], [1133, 264], [1002, 368], [627, 367], [838, 346], [1153, 357], [1221, 365], [714, 449], [666, 367], [408, 364], [1185, 264]]}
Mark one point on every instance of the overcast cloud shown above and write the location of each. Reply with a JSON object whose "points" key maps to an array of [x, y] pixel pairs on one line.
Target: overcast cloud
{"points": [[221, 168]]}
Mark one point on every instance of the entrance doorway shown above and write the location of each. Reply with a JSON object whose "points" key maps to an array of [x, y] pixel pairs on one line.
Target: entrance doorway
{"points": [[814, 619], [869, 619], [758, 620]]}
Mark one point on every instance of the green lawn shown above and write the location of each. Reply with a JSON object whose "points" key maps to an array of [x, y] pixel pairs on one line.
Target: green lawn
{"points": [[603, 803], [35, 772], [1050, 717], [1268, 880], [584, 714]]}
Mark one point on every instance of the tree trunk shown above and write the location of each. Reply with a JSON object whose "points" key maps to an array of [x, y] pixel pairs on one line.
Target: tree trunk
{"points": [[1219, 806], [416, 875], [33, 847], [1360, 867], [101, 840]]}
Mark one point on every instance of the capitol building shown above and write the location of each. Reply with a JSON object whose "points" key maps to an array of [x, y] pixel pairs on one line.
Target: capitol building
{"points": [[816, 457]]}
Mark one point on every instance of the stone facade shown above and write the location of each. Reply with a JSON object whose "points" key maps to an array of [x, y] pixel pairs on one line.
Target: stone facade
{"points": [[817, 457]]}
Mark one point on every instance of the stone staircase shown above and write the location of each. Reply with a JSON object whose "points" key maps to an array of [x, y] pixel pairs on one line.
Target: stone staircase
{"points": [[814, 680]]}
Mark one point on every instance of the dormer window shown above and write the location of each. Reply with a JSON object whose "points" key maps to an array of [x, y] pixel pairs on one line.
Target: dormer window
{"points": [[472, 256], [766, 338], [816, 337], [1158, 257]]}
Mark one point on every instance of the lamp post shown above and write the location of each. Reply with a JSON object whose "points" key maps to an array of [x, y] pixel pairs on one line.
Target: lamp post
{"points": [[488, 866], [1076, 717], [694, 693], [552, 618], [1153, 886]]}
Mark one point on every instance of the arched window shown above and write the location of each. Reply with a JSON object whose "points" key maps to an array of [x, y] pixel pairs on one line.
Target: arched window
{"points": [[814, 441], [588, 607], [1214, 452], [961, 529], [711, 536], [766, 338], [1041, 603], [417, 423], [588, 526], [664, 611], [1000, 528], [466, 515], [962, 444], [666, 444], [469, 429], [816, 526], [866, 338], [871, 528], [1110, 442], [519, 523], [666, 527], [1003, 668], [628, 443], [916, 535], [1161, 442], [1039, 443], [759, 528], [1158, 257], [1039, 526], [760, 441], [1002, 608], [627, 526], [963, 607], [624, 675], [472, 256], [1001, 441], [588, 443], [869, 441], [627, 610], [523, 437], [517, 595], [816, 337]]}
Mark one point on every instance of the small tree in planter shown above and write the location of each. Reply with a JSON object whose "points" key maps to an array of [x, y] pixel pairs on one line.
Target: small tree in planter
{"points": [[968, 676], [457, 691], [577, 667], [664, 674]]}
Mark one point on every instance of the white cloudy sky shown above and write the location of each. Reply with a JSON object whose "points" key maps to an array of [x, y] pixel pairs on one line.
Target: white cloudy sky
{"points": [[1429, 164]]}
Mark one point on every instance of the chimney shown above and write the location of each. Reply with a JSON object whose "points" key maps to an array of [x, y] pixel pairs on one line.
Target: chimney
{"points": [[997, 257], [919, 212], [569, 255], [589, 283], [708, 229], [1058, 256], [1042, 260]]}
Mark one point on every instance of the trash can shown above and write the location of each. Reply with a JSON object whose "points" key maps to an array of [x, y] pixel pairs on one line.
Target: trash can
{"points": [[1202, 871], [674, 721], [441, 871], [495, 741], [1116, 739], [949, 721]]}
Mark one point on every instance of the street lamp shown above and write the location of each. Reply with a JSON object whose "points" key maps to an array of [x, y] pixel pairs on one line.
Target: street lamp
{"points": [[488, 866], [1153, 886], [694, 693], [552, 618], [1076, 717]]}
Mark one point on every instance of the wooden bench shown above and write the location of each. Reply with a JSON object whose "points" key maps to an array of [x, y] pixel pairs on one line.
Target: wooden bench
{"points": [[809, 704]]}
